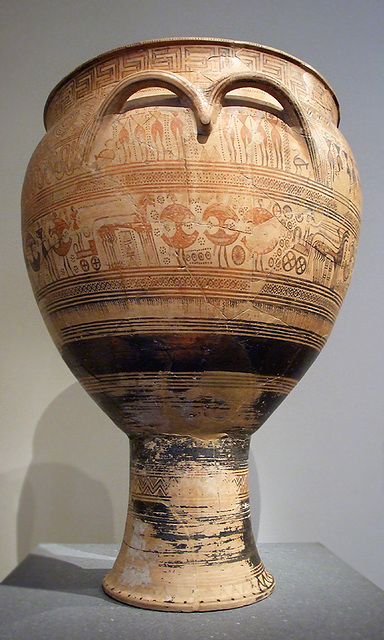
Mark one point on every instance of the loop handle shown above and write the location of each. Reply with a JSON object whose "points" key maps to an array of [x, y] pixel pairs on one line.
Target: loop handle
{"points": [[259, 81], [277, 90], [184, 89], [204, 108]]}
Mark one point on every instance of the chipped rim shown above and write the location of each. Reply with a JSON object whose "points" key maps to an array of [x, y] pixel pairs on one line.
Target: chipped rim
{"points": [[188, 40]]}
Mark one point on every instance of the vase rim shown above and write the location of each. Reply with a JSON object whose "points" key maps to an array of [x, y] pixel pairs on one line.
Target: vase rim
{"points": [[190, 40]]}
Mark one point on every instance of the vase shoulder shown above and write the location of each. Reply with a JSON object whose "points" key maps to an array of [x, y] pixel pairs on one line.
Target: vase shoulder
{"points": [[197, 59]]}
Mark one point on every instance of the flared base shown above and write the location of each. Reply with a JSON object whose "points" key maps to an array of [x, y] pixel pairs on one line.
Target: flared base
{"points": [[175, 595], [188, 543]]}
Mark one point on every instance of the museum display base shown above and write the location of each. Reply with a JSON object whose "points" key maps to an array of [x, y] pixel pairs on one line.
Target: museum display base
{"points": [[55, 593]]}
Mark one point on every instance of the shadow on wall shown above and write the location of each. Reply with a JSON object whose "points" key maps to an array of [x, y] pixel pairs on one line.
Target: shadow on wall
{"points": [[75, 489]]}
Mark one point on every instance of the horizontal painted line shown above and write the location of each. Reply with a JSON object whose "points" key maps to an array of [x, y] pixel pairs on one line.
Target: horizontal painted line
{"points": [[120, 383], [169, 295], [144, 275], [188, 325]]}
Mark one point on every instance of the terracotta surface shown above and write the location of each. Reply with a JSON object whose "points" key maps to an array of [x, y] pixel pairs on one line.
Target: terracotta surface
{"points": [[190, 223]]}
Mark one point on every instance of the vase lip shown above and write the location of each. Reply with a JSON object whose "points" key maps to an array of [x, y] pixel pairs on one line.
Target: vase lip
{"points": [[192, 40]]}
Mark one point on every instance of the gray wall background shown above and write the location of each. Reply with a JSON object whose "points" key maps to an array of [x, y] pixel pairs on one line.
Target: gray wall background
{"points": [[317, 466]]}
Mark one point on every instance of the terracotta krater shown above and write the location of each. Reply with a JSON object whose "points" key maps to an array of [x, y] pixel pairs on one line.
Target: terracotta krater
{"points": [[190, 222]]}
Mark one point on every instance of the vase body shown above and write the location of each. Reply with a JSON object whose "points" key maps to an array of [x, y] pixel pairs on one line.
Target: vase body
{"points": [[190, 222]]}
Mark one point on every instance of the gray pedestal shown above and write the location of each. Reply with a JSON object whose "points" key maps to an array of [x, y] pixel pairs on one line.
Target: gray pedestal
{"points": [[55, 594]]}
